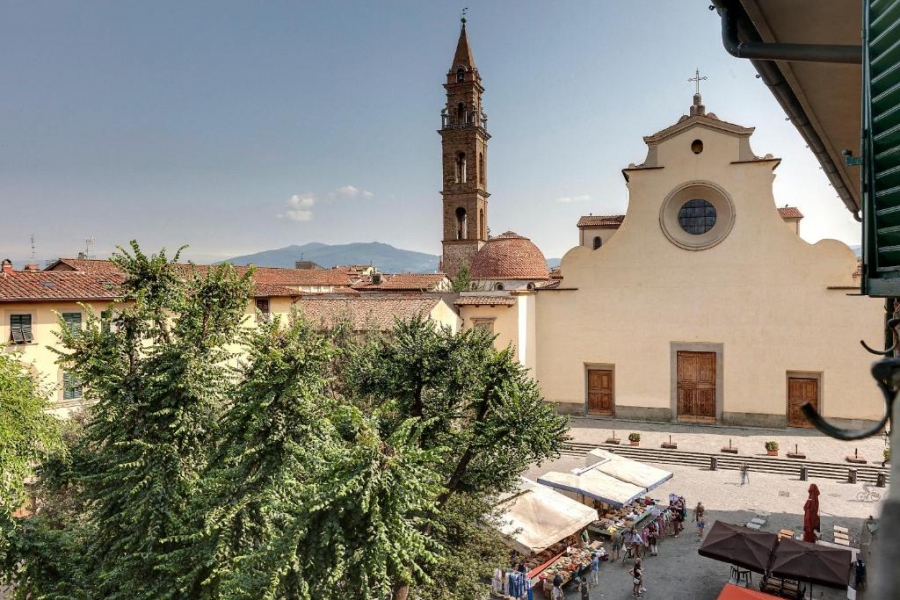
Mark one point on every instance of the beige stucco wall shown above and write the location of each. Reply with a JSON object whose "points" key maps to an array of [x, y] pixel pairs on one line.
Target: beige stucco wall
{"points": [[761, 294], [586, 235], [445, 316], [506, 322]]}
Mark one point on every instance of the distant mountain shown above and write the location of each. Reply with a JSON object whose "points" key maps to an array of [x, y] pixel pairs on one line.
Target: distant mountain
{"points": [[385, 257], [857, 250]]}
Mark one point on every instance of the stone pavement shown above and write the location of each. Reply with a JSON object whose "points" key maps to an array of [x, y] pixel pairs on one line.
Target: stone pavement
{"points": [[679, 572]]}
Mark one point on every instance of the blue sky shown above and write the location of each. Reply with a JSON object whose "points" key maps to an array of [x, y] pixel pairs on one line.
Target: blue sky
{"points": [[236, 126]]}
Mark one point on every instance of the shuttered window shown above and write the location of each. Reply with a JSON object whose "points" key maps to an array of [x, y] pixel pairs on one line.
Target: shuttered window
{"points": [[20, 329], [262, 304], [71, 386], [881, 148], [73, 322]]}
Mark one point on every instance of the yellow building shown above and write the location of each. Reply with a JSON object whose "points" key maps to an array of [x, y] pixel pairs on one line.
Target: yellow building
{"points": [[33, 301]]}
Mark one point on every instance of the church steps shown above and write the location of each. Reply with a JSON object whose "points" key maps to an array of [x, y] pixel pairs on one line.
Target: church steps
{"points": [[758, 464]]}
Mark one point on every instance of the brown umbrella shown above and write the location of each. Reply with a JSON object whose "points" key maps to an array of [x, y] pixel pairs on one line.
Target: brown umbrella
{"points": [[811, 515], [739, 546], [798, 560]]}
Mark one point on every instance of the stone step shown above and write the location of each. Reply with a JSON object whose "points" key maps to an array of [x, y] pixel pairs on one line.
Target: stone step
{"points": [[760, 464]]}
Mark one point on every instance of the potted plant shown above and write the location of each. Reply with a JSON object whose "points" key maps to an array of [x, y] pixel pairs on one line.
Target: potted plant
{"points": [[887, 455], [634, 438], [772, 448]]}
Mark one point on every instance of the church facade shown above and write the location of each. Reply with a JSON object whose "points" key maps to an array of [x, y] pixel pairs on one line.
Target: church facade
{"points": [[700, 304]]}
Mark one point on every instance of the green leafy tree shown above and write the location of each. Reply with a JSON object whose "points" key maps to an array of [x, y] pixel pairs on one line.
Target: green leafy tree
{"points": [[482, 408]]}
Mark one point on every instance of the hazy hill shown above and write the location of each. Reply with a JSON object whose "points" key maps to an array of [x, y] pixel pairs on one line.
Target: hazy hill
{"points": [[384, 256]]}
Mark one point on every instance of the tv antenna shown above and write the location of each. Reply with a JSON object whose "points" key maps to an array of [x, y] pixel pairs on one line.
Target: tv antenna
{"points": [[32, 247], [87, 247]]}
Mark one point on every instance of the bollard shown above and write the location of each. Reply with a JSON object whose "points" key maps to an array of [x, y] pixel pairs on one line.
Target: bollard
{"points": [[851, 475], [713, 463], [880, 479], [804, 473]]}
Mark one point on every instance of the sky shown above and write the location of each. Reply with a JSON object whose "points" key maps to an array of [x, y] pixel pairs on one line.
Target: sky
{"points": [[235, 127]]}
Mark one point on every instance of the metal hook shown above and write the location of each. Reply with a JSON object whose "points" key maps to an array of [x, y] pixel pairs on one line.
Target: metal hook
{"points": [[871, 350], [886, 373]]}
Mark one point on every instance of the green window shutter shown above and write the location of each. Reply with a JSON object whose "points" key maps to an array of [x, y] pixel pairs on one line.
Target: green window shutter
{"points": [[73, 322], [106, 321], [881, 148], [71, 386], [20, 329]]}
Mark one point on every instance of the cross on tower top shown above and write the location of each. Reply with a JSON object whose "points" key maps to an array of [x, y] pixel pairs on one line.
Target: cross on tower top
{"points": [[463, 16], [698, 79]]}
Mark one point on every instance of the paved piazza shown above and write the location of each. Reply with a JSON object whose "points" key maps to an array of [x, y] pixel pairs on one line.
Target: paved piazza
{"points": [[679, 573]]}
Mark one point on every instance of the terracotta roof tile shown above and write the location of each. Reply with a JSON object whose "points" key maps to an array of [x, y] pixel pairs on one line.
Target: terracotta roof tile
{"points": [[84, 265], [413, 282], [790, 212], [365, 312], [601, 220], [485, 301], [49, 286], [509, 256], [269, 290]]}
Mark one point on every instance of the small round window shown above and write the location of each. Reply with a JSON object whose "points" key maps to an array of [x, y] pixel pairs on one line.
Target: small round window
{"points": [[697, 216], [697, 146]]}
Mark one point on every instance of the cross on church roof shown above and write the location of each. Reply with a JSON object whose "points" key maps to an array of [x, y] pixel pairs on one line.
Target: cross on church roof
{"points": [[463, 17], [698, 79]]}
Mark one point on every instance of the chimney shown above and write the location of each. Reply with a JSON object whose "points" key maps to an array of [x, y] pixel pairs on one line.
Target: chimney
{"points": [[376, 278], [7, 266], [32, 267]]}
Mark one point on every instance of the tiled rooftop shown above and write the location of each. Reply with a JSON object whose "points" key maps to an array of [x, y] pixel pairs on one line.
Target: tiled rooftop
{"points": [[485, 301], [509, 256], [601, 220], [413, 282], [45, 286], [365, 312]]}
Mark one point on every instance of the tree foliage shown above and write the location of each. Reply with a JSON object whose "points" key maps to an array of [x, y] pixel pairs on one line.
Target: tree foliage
{"points": [[227, 458]]}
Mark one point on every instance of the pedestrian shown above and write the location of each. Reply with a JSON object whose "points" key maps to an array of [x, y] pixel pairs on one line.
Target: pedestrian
{"points": [[556, 593], [859, 571], [585, 589], [616, 544], [595, 569], [637, 573], [653, 539], [636, 541], [745, 473], [699, 517]]}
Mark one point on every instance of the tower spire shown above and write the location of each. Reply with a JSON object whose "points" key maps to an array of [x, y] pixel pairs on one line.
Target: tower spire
{"points": [[463, 57]]}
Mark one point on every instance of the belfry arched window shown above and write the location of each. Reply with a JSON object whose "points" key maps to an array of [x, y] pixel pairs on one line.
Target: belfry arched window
{"points": [[461, 113], [461, 167], [483, 231], [460, 223], [460, 75], [481, 168]]}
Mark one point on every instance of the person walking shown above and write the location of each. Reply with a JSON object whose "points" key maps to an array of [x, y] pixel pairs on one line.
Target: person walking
{"points": [[595, 569], [585, 589], [637, 572], [653, 540], [699, 517], [745, 473], [616, 545], [636, 541]]}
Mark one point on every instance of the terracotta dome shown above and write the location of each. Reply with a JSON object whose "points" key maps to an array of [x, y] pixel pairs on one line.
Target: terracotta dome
{"points": [[509, 256]]}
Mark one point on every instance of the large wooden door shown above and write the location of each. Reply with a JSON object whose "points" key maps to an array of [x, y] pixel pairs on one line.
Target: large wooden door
{"points": [[800, 391], [697, 386], [600, 392]]}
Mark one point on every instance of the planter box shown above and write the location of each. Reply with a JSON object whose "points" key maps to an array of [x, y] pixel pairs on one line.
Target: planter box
{"points": [[669, 446], [771, 452], [856, 460], [635, 443], [796, 455], [615, 441], [729, 450]]}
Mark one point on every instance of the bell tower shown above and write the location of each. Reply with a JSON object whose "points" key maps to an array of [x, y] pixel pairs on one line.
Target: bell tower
{"points": [[464, 139]]}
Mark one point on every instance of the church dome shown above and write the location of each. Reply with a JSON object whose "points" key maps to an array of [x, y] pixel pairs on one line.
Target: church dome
{"points": [[509, 256]]}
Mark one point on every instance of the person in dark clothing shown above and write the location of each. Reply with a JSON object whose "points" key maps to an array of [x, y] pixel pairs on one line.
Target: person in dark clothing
{"points": [[859, 570]]}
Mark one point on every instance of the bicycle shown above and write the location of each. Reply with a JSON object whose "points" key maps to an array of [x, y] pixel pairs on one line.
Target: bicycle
{"points": [[868, 495]]}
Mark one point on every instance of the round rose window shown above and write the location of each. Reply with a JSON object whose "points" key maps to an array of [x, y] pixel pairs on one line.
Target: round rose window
{"points": [[697, 216]]}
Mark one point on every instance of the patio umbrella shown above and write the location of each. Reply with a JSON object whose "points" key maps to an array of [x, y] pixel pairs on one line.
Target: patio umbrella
{"points": [[811, 522], [733, 592], [739, 546], [798, 560]]}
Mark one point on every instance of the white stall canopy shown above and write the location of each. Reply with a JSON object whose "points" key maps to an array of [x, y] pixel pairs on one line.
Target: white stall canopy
{"points": [[626, 469], [594, 484], [535, 517]]}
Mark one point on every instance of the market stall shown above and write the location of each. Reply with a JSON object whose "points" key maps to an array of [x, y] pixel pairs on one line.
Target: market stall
{"points": [[626, 469], [535, 517], [591, 484]]}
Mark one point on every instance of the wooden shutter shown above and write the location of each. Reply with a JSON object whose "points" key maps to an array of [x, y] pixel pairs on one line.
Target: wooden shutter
{"points": [[881, 148], [20, 329]]}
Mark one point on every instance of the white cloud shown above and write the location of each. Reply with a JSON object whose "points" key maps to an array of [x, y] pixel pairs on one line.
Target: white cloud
{"points": [[351, 191], [297, 208], [570, 199]]}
